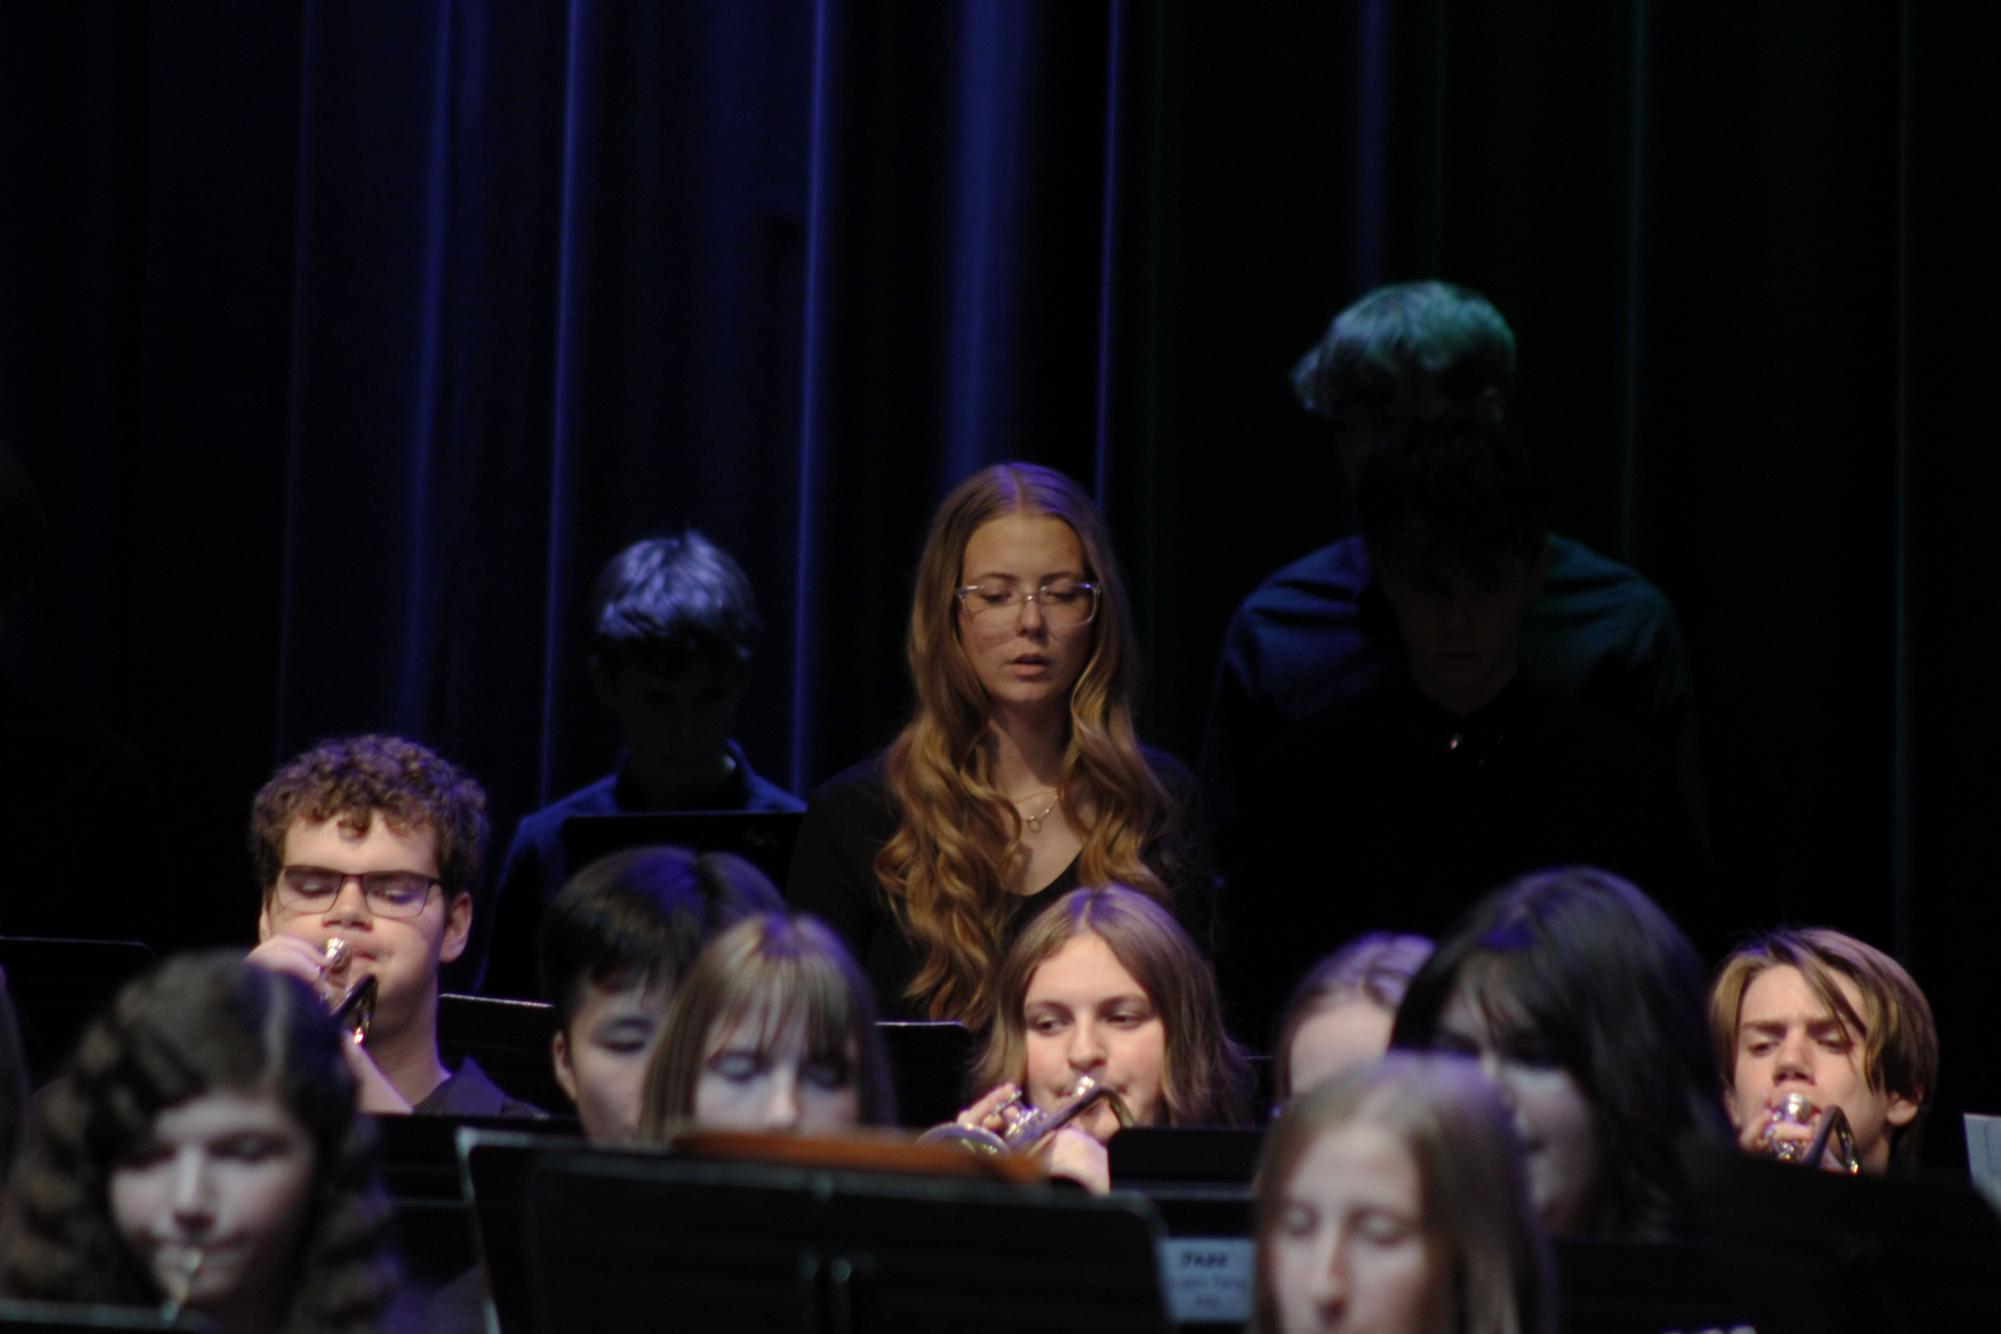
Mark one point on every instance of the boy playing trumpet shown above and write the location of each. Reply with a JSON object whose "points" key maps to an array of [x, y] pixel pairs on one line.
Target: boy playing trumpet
{"points": [[367, 848]]}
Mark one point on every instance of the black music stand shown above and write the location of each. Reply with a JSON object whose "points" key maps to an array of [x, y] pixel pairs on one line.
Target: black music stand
{"points": [[1185, 1156], [63, 1317], [621, 1246], [763, 838], [1983, 1153], [59, 985], [510, 1040], [420, 1171], [1643, 1288], [1813, 1251], [494, 1166], [1199, 1177], [928, 1062]]}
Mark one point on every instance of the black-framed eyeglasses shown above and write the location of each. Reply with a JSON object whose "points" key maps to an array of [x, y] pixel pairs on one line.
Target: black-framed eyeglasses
{"points": [[310, 889], [1066, 603]]}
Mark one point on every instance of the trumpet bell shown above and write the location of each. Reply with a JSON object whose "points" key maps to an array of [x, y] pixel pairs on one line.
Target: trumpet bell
{"points": [[973, 1139], [355, 1011]]}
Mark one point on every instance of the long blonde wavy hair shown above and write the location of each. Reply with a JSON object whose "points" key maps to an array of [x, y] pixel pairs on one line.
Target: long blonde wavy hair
{"points": [[948, 869]]}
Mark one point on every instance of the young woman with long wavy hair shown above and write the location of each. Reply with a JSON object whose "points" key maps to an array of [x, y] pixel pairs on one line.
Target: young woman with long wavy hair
{"points": [[1019, 776]]}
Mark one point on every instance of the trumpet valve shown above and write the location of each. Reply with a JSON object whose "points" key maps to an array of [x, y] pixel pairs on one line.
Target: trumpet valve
{"points": [[1795, 1109]]}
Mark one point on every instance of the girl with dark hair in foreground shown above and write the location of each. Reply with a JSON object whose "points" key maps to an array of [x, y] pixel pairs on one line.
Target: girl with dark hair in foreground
{"points": [[1585, 1005], [204, 1149]]}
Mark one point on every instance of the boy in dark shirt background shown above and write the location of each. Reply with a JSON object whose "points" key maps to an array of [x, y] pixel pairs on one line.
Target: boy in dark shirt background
{"points": [[673, 626], [1467, 769]]}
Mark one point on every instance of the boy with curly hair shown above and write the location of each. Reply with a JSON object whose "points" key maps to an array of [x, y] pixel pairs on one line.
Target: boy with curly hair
{"points": [[376, 842]]}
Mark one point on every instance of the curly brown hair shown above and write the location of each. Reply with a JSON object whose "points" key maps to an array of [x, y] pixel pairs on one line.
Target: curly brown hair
{"points": [[197, 1024], [355, 778]]}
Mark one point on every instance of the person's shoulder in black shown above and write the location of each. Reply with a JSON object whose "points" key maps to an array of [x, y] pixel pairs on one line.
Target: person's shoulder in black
{"points": [[848, 820], [1178, 849], [468, 1091]]}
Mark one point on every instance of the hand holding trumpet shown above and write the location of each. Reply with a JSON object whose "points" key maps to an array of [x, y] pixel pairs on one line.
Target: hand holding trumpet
{"points": [[1796, 1130], [328, 972], [354, 1011], [1002, 1121]]}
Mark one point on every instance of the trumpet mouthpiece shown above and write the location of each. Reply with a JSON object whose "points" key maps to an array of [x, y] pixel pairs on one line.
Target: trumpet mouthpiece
{"points": [[181, 1264]]}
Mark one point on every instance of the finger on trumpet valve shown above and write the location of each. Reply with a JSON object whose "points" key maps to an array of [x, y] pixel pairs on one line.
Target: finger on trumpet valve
{"points": [[1012, 1112], [1023, 1126]]}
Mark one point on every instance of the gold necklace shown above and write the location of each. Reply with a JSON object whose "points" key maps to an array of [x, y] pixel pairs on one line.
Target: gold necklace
{"points": [[1034, 822]]}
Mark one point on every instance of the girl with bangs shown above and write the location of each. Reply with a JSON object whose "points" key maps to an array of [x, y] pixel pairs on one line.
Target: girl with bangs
{"points": [[1019, 776], [1584, 1003], [772, 1029]]}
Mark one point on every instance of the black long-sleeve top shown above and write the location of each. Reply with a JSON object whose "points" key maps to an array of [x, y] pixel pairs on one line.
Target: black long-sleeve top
{"points": [[851, 817]]}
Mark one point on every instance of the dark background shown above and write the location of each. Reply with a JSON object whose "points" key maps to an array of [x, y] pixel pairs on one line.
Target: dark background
{"points": [[346, 340]]}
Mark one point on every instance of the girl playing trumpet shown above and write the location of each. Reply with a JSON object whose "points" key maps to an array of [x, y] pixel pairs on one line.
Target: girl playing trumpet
{"points": [[1105, 985]]}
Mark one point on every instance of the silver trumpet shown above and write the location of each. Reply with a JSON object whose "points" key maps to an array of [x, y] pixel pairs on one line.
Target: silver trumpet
{"points": [[182, 1264], [1028, 1127], [355, 1010], [1835, 1133]]}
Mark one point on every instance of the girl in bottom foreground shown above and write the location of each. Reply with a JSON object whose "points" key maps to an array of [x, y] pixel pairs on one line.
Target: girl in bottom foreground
{"points": [[1393, 1200], [204, 1149], [1105, 983]]}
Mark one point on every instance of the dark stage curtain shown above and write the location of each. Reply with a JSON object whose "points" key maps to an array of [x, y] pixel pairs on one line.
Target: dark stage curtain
{"points": [[346, 340]]}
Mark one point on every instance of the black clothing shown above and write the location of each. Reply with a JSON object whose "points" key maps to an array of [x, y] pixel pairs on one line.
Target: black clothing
{"points": [[1317, 641], [468, 1092], [459, 1307], [535, 870], [851, 817], [1400, 817], [89, 851]]}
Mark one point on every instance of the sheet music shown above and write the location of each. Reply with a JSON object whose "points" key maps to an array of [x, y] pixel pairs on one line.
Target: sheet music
{"points": [[1983, 1154]]}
